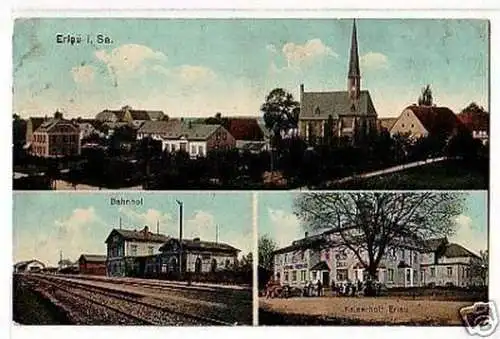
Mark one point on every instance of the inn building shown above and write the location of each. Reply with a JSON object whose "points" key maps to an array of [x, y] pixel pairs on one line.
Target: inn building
{"points": [[434, 262]]}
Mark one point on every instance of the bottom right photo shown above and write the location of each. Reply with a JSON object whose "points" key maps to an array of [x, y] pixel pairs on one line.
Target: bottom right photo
{"points": [[373, 258]]}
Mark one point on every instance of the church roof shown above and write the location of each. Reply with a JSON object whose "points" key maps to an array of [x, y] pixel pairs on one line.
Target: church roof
{"points": [[354, 59], [320, 105]]}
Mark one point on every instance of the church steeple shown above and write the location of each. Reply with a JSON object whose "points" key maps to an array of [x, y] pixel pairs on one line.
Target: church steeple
{"points": [[354, 75]]}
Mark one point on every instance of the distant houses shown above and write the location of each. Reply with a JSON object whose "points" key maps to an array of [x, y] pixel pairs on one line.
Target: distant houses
{"points": [[33, 265], [194, 138], [54, 137]]}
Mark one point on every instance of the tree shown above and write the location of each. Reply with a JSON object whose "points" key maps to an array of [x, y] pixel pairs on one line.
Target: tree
{"points": [[425, 98], [368, 224], [479, 268], [280, 111], [266, 248]]}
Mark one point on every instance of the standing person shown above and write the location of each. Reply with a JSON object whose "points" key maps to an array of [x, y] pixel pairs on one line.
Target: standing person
{"points": [[320, 288]]}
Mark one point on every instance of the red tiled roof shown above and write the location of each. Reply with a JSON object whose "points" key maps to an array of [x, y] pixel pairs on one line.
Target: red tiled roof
{"points": [[245, 129], [436, 120], [475, 121]]}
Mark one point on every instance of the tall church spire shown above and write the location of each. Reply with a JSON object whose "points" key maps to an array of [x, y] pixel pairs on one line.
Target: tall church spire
{"points": [[354, 75]]}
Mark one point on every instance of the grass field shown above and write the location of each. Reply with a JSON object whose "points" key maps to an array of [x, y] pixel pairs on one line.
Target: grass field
{"points": [[446, 175], [359, 311]]}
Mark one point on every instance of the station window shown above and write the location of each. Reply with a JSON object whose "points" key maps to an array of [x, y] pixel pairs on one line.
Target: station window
{"points": [[449, 271], [390, 274]]}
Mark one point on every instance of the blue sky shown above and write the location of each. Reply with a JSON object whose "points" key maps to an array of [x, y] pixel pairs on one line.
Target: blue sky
{"points": [[76, 223], [199, 67], [276, 218]]}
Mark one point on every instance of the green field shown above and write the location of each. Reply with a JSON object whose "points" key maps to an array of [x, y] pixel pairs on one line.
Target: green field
{"points": [[452, 175]]}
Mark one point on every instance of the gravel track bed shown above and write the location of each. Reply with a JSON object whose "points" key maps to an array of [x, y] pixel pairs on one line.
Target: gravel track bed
{"points": [[85, 312], [128, 305]]}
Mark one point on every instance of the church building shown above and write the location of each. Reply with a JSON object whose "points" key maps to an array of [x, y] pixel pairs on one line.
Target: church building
{"points": [[349, 113]]}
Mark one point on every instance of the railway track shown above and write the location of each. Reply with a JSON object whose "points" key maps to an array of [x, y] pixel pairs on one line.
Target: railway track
{"points": [[115, 300]]}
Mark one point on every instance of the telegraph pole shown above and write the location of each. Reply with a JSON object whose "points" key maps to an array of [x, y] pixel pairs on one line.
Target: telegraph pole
{"points": [[216, 233], [180, 237]]}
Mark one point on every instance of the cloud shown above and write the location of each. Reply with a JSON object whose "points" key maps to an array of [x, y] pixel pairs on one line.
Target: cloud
{"points": [[202, 225], [149, 218], [129, 59], [374, 61], [80, 232], [83, 74], [468, 235], [190, 75], [298, 55], [286, 226], [271, 48]]}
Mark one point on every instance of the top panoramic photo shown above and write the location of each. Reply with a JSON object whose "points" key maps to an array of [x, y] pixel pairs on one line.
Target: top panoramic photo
{"points": [[288, 104]]}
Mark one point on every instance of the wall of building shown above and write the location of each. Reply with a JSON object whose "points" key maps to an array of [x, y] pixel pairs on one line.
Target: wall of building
{"points": [[93, 268], [140, 248], [408, 123], [206, 261], [221, 139]]}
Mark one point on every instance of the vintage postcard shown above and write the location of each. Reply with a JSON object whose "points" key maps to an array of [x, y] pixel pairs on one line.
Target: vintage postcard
{"points": [[133, 259], [384, 258], [160, 104]]}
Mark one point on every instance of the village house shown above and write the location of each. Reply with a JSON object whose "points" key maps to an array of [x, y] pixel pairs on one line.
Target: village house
{"points": [[348, 113], [477, 122], [92, 264], [29, 266], [129, 115], [123, 246], [445, 263], [421, 121], [198, 256], [194, 138], [405, 265], [385, 124], [55, 137], [248, 134]]}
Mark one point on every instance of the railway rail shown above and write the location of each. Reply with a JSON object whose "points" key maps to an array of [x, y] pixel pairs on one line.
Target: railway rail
{"points": [[147, 311]]}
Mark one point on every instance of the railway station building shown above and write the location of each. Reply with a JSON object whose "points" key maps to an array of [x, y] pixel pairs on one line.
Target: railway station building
{"points": [[198, 256], [435, 262], [125, 246], [92, 264]]}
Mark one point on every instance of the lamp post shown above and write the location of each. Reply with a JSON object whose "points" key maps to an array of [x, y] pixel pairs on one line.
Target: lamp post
{"points": [[180, 237]]}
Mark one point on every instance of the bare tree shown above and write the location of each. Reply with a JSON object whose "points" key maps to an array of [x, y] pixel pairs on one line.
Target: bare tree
{"points": [[370, 223]]}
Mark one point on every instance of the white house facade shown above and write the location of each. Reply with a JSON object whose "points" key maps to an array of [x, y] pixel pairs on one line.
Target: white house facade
{"points": [[436, 262]]}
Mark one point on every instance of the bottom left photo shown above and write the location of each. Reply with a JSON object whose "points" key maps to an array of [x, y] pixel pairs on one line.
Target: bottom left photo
{"points": [[163, 259]]}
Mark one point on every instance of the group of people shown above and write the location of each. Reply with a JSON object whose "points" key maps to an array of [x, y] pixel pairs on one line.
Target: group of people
{"points": [[313, 289], [347, 287]]}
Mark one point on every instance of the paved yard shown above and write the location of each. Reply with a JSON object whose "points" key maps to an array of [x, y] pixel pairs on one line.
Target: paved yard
{"points": [[364, 310]]}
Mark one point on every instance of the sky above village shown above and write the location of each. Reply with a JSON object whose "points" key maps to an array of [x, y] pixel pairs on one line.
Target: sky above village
{"points": [[199, 67], [77, 223], [277, 220]]}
